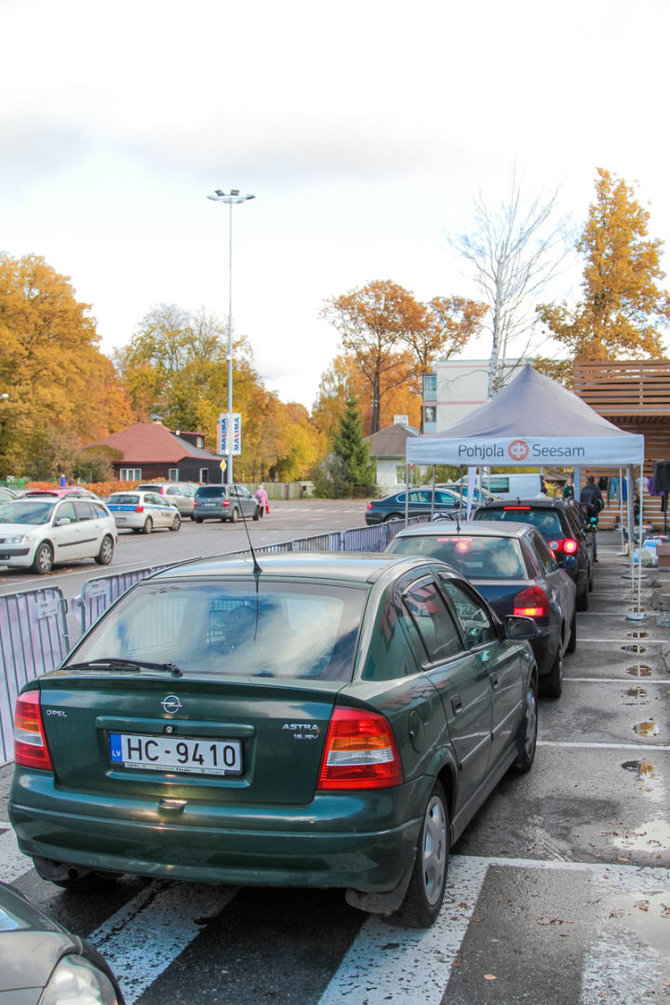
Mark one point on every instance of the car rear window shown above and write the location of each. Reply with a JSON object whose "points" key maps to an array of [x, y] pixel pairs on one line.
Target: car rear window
{"points": [[124, 499], [473, 557], [211, 491], [228, 629], [547, 521]]}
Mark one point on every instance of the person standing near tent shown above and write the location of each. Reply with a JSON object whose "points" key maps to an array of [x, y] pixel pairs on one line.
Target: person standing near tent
{"points": [[591, 500], [569, 489]]}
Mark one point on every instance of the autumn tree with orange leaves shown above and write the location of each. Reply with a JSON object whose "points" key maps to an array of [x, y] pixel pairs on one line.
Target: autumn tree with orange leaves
{"points": [[392, 339], [62, 390], [623, 308]]}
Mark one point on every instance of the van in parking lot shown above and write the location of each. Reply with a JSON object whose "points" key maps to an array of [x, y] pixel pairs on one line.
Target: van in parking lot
{"points": [[523, 486]]}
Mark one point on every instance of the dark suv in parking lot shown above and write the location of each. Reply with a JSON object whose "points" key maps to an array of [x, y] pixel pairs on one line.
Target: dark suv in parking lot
{"points": [[562, 525]]}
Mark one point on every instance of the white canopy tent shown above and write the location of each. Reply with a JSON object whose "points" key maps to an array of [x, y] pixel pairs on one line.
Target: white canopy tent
{"points": [[534, 422]]}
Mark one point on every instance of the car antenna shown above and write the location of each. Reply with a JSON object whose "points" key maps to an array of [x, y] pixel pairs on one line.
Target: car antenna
{"points": [[257, 568]]}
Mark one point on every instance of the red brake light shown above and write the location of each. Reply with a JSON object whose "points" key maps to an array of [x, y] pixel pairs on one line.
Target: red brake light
{"points": [[567, 545], [139, 509], [360, 752], [30, 743], [517, 507], [370, 505], [531, 603]]}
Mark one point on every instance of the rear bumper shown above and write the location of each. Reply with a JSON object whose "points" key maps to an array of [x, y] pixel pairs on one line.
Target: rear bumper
{"points": [[339, 840], [544, 648]]}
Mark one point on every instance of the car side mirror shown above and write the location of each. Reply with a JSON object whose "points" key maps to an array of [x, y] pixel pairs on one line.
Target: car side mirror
{"points": [[519, 628]]}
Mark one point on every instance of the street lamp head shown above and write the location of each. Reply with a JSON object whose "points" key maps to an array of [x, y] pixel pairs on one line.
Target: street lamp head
{"points": [[234, 191], [219, 192]]}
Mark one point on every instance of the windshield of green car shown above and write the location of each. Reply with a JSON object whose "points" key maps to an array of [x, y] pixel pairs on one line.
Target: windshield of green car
{"points": [[33, 511], [285, 629]]}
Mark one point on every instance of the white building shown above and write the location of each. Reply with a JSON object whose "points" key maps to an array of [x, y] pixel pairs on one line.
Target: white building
{"points": [[457, 387]]}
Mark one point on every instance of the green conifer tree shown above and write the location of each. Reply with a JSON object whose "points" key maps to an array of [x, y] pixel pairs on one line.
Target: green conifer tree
{"points": [[354, 454]]}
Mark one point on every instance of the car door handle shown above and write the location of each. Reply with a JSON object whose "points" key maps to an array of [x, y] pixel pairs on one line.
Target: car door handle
{"points": [[494, 681], [456, 704]]}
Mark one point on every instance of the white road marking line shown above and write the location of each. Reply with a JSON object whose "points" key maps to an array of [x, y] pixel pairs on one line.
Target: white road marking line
{"points": [[14, 863], [615, 680], [603, 746], [406, 966], [145, 936]]}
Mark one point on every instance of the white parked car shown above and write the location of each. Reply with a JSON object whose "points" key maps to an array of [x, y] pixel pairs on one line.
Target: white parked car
{"points": [[143, 511], [42, 531]]}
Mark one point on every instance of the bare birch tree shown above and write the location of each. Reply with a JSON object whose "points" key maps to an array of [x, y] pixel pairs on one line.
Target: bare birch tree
{"points": [[514, 251]]}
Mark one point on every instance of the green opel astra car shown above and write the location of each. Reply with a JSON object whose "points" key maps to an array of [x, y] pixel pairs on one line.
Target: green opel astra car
{"points": [[315, 720]]}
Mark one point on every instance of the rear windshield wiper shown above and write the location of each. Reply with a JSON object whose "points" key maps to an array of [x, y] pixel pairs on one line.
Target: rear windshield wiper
{"points": [[124, 664]]}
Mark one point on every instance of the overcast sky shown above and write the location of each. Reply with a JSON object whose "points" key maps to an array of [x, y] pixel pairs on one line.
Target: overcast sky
{"points": [[364, 129]]}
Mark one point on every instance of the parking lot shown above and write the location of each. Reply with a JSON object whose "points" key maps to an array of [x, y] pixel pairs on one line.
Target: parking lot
{"points": [[559, 890]]}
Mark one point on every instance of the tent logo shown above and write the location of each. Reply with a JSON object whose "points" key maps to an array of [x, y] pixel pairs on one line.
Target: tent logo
{"points": [[518, 450]]}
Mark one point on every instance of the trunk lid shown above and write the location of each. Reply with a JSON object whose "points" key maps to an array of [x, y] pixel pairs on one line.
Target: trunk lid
{"points": [[140, 734]]}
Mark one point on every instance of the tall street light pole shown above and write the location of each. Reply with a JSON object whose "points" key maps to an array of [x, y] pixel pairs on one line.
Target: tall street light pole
{"points": [[230, 198]]}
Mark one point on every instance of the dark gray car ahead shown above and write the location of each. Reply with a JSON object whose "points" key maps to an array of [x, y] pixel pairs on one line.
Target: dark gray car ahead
{"points": [[225, 502], [514, 569]]}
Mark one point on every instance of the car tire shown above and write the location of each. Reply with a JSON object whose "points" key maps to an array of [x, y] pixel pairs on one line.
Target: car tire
{"points": [[257, 513], [393, 516], [551, 686], [176, 523], [235, 515], [425, 893], [526, 738], [572, 644], [106, 553], [148, 526], [197, 519], [582, 601], [44, 559]]}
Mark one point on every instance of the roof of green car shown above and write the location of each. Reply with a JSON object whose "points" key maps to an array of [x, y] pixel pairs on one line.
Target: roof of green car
{"points": [[351, 567]]}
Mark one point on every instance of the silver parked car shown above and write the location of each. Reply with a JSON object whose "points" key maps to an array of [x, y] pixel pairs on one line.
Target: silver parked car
{"points": [[143, 511], [180, 494], [40, 531]]}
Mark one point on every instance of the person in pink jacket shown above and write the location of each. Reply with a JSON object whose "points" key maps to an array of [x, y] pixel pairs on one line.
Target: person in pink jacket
{"points": [[263, 502]]}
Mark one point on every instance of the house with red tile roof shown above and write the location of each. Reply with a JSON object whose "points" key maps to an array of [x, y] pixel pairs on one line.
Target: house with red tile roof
{"points": [[150, 450]]}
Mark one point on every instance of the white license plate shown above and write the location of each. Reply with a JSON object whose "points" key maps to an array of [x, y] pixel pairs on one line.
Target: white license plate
{"points": [[120, 519], [171, 753]]}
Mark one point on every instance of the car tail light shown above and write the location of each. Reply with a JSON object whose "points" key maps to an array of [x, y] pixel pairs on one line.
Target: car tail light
{"points": [[30, 743], [564, 545], [370, 505], [517, 507], [531, 603], [139, 509], [360, 752], [225, 502]]}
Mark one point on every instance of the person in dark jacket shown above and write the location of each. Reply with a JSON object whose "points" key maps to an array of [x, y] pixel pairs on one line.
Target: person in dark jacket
{"points": [[591, 499]]}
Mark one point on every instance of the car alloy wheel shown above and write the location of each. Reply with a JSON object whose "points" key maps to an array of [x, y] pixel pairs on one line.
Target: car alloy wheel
{"points": [[44, 559], [148, 526], [429, 878], [176, 523], [527, 735], [104, 556]]}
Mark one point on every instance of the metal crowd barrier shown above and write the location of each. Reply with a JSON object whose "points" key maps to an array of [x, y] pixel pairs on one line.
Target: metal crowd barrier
{"points": [[33, 629], [33, 639], [97, 594]]}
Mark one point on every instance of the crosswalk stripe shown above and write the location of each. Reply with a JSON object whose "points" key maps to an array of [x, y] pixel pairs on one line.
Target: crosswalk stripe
{"points": [[407, 966], [145, 936], [14, 863]]}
